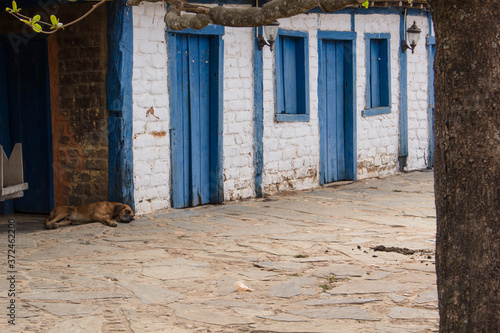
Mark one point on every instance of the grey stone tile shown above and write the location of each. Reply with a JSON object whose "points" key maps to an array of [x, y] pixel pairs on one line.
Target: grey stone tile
{"points": [[370, 287], [347, 312], [65, 309], [412, 313], [190, 312]]}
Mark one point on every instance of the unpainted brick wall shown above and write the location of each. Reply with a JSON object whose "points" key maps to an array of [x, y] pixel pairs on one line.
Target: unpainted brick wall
{"points": [[78, 69], [79, 115]]}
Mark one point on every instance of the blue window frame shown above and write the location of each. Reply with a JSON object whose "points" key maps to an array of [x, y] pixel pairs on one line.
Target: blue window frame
{"points": [[292, 76], [378, 70]]}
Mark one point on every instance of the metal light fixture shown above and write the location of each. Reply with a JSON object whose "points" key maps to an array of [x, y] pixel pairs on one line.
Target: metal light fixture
{"points": [[271, 32], [413, 37]]}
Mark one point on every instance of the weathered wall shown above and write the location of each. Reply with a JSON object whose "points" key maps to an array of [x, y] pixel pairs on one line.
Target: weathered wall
{"points": [[150, 89], [377, 136], [238, 113], [79, 117], [418, 77], [291, 149], [78, 67]]}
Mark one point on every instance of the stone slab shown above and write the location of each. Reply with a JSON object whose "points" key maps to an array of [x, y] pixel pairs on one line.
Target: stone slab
{"points": [[70, 250], [427, 297], [264, 229], [347, 312], [340, 270], [195, 227], [312, 237], [412, 313], [370, 287], [255, 274], [332, 301], [71, 296], [178, 268], [151, 294], [65, 309], [284, 317], [276, 249], [79, 325], [281, 266], [285, 290], [192, 312]]}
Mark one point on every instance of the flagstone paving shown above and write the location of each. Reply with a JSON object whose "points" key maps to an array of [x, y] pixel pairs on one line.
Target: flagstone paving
{"points": [[306, 257]]}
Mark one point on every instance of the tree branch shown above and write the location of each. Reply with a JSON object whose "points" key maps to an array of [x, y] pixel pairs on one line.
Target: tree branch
{"points": [[242, 17]]}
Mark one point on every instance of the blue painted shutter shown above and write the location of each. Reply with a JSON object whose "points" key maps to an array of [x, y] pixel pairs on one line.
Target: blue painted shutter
{"points": [[374, 73], [379, 73], [384, 72], [289, 75]]}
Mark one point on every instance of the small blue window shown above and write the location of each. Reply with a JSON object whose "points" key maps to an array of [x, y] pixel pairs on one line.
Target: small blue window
{"points": [[378, 69], [292, 76]]}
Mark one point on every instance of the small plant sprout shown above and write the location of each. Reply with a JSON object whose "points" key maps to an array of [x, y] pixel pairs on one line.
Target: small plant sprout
{"points": [[55, 22], [37, 24]]}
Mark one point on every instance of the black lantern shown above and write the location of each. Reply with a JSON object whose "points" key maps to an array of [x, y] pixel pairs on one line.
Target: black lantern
{"points": [[413, 37], [270, 33]]}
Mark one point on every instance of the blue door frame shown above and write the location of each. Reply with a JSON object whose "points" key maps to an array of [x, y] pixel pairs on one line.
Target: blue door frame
{"points": [[119, 100], [25, 117], [431, 49], [337, 106], [196, 149]]}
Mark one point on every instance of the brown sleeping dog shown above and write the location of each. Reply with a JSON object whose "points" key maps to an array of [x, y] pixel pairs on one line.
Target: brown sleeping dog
{"points": [[104, 211]]}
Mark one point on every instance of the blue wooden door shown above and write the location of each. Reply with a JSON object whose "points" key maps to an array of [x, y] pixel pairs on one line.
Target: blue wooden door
{"points": [[28, 117], [195, 142], [335, 89]]}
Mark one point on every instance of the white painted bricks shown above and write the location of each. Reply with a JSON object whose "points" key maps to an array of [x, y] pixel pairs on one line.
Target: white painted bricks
{"points": [[291, 149], [150, 89]]}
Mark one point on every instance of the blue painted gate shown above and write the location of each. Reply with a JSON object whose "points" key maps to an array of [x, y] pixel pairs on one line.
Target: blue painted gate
{"points": [[25, 117], [196, 118], [336, 107]]}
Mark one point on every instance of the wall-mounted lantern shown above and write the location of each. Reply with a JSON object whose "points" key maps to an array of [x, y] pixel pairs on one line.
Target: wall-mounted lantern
{"points": [[413, 37], [270, 33]]}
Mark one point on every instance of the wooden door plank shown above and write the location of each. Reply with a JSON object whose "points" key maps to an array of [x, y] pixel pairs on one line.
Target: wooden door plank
{"points": [[340, 110], [204, 70], [195, 110], [290, 75]]}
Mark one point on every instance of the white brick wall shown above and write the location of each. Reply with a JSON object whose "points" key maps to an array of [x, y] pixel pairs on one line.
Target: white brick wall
{"points": [[377, 136], [418, 128], [150, 89], [238, 114], [291, 149]]}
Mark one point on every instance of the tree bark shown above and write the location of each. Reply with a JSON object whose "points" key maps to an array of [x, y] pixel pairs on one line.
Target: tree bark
{"points": [[467, 156], [242, 17]]}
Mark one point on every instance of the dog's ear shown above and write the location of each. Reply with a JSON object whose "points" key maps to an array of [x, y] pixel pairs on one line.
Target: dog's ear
{"points": [[117, 210]]}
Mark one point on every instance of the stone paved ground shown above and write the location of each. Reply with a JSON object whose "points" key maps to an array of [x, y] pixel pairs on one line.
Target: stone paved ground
{"points": [[307, 256]]}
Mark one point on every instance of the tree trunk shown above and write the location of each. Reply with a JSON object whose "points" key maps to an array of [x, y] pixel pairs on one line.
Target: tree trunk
{"points": [[467, 156]]}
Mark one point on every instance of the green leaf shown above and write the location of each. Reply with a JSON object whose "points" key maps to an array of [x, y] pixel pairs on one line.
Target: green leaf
{"points": [[14, 9], [54, 20], [365, 4], [36, 18], [37, 27]]}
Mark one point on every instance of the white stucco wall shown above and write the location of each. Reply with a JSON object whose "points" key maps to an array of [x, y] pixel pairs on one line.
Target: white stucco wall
{"points": [[238, 113], [151, 144], [418, 77], [290, 149]]}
